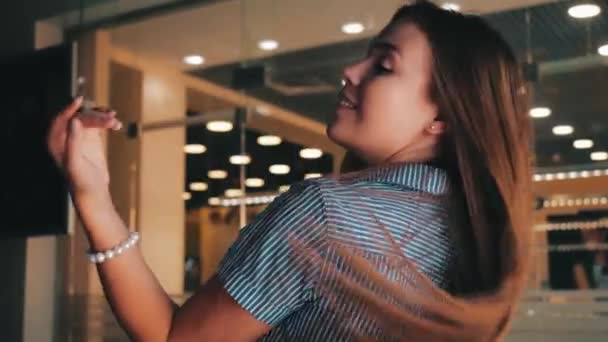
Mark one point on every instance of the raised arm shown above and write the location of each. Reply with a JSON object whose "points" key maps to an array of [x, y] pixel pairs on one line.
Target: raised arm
{"points": [[137, 299]]}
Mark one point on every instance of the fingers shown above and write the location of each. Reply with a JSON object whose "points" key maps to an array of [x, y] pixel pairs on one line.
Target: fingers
{"points": [[100, 119], [72, 108]]}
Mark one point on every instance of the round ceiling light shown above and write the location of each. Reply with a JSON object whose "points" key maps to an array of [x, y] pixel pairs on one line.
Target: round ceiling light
{"points": [[584, 11], [353, 28], [214, 201], [311, 153], [186, 196], [269, 140], [603, 50], [254, 182], [195, 148], [198, 186], [219, 126], [563, 130], [599, 156], [450, 6], [582, 144], [240, 159], [540, 112], [312, 175], [268, 44], [284, 188], [217, 174], [279, 169], [194, 60]]}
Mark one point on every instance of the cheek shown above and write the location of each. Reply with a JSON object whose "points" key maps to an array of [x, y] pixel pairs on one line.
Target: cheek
{"points": [[387, 113]]}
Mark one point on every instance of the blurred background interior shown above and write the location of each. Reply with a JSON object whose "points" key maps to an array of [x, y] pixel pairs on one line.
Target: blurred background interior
{"points": [[225, 104]]}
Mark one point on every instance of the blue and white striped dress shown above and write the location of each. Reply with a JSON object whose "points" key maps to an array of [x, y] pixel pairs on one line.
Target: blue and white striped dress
{"points": [[264, 274]]}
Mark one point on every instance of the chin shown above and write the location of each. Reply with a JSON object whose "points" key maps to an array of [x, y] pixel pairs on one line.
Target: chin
{"points": [[334, 134]]}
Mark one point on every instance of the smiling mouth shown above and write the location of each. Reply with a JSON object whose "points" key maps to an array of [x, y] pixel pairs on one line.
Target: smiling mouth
{"points": [[345, 102]]}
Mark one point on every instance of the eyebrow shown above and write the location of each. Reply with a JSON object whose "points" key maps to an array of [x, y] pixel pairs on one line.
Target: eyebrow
{"points": [[383, 45]]}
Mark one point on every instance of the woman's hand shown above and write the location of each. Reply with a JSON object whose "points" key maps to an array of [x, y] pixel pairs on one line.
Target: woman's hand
{"points": [[76, 145]]}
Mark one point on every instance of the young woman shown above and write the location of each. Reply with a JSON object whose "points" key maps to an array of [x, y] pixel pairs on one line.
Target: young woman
{"points": [[437, 112]]}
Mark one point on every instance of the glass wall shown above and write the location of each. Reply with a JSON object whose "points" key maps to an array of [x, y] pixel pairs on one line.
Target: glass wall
{"points": [[262, 77]]}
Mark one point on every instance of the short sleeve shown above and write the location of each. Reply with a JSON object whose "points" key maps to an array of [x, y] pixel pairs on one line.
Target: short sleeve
{"points": [[261, 270]]}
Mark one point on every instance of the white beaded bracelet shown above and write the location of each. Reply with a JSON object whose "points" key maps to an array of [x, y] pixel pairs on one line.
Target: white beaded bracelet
{"points": [[100, 257]]}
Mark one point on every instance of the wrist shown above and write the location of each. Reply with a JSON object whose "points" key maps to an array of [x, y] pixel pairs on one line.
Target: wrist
{"points": [[92, 201]]}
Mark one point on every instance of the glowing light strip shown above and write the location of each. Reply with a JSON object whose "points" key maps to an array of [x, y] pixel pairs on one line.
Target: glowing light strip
{"points": [[540, 177]]}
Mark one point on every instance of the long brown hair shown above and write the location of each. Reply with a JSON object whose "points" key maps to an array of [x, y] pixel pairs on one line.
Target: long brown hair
{"points": [[481, 95]]}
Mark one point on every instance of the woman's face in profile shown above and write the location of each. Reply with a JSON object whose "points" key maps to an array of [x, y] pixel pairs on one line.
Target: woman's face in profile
{"points": [[385, 106]]}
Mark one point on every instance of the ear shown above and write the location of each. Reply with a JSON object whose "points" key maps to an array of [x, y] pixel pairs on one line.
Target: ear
{"points": [[437, 127]]}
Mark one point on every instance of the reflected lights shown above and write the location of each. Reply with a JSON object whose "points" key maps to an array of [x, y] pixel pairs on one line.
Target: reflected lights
{"points": [[217, 174], [269, 140], [563, 130], [311, 153], [254, 182], [219, 126], [312, 175], [279, 169], [599, 156], [582, 144], [240, 159], [540, 112], [198, 186], [234, 193], [195, 148]]}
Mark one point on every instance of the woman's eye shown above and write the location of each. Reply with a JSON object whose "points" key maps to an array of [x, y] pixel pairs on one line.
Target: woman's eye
{"points": [[382, 69]]}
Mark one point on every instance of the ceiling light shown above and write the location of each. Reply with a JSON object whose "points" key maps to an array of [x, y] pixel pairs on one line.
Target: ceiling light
{"points": [[254, 182], [582, 144], [584, 11], [312, 175], [450, 6], [240, 159], [217, 174], [353, 28], [214, 201], [269, 140], [194, 60], [268, 44], [603, 50], [219, 126], [311, 153], [279, 169], [198, 186], [195, 149], [540, 112], [563, 130], [186, 196], [599, 156], [284, 188], [233, 193]]}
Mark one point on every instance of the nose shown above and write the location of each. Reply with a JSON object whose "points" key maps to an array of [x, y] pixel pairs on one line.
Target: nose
{"points": [[353, 73]]}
